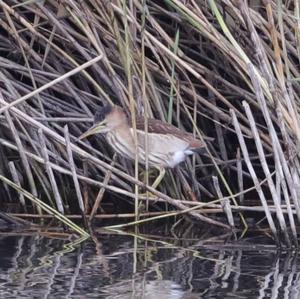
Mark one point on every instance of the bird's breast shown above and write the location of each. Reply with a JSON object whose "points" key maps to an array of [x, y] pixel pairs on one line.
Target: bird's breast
{"points": [[121, 143]]}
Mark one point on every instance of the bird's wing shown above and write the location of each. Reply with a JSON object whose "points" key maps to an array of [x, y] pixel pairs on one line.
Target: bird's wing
{"points": [[161, 143], [156, 126]]}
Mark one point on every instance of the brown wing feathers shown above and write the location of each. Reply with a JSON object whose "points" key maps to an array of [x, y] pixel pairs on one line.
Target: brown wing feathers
{"points": [[158, 127]]}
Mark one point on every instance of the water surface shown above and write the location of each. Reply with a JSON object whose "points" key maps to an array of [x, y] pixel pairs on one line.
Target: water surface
{"points": [[144, 266]]}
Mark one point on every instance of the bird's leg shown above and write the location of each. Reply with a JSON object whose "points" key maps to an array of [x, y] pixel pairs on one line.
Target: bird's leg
{"points": [[142, 174], [157, 181], [161, 175]]}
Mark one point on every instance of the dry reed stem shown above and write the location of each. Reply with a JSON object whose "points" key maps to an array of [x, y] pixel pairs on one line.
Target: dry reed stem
{"points": [[22, 155], [254, 177], [224, 203], [16, 180], [61, 78], [267, 173], [74, 174], [50, 173], [100, 195]]}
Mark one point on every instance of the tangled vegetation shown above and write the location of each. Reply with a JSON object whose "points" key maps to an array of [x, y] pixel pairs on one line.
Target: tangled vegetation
{"points": [[224, 69]]}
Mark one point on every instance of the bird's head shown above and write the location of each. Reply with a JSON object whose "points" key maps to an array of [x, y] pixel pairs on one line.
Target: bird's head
{"points": [[106, 119]]}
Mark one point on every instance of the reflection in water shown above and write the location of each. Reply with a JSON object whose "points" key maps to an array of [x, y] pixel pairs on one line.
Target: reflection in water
{"points": [[120, 266], [164, 289]]}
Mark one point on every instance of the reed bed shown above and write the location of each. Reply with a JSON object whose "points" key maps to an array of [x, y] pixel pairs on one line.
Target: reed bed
{"points": [[222, 69]]}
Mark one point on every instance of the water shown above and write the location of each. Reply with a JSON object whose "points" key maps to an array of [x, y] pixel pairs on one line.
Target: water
{"points": [[147, 266]]}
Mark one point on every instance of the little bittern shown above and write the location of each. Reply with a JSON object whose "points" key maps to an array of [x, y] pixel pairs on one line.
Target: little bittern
{"points": [[167, 145]]}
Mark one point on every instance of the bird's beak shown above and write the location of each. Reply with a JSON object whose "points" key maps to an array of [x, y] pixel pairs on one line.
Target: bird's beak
{"points": [[97, 128]]}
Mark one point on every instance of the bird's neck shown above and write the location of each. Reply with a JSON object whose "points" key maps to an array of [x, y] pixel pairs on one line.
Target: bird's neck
{"points": [[124, 135], [121, 140], [123, 130]]}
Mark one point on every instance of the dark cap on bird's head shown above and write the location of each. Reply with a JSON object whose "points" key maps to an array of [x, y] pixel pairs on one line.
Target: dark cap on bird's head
{"points": [[102, 113]]}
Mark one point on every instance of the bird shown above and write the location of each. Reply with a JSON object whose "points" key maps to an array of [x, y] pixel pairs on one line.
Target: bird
{"points": [[167, 145]]}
